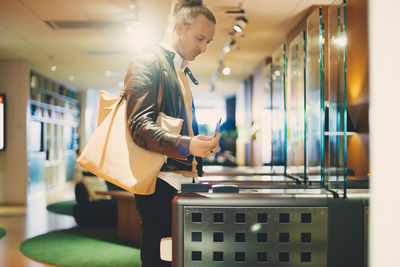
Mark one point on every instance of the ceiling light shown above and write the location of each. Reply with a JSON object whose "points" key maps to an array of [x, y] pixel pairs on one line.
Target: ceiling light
{"points": [[71, 78], [53, 68], [226, 71], [107, 73], [237, 28], [227, 49], [240, 24], [132, 6]]}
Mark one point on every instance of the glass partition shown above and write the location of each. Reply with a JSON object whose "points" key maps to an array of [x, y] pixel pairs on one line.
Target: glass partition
{"points": [[295, 108], [278, 108], [337, 109], [266, 127], [315, 109]]}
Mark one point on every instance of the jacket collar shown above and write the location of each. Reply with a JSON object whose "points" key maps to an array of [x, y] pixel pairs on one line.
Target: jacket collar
{"points": [[179, 62]]}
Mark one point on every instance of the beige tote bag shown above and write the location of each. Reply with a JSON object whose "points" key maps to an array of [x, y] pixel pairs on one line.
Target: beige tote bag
{"points": [[112, 154]]}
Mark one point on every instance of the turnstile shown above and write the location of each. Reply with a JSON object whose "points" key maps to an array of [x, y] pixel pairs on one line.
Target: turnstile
{"points": [[310, 228]]}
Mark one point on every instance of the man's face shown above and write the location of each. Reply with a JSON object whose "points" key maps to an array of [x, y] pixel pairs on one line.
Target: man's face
{"points": [[192, 39]]}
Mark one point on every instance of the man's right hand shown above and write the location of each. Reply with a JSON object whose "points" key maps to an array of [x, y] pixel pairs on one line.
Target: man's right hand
{"points": [[204, 146]]}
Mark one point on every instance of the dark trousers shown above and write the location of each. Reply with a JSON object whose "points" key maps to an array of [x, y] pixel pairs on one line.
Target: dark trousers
{"points": [[156, 212]]}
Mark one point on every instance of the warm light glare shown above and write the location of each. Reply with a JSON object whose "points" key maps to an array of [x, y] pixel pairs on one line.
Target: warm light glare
{"points": [[139, 37], [227, 49], [53, 68], [226, 71], [356, 84], [341, 41]]}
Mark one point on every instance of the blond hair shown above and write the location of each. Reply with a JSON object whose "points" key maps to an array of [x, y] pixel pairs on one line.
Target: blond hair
{"points": [[186, 11]]}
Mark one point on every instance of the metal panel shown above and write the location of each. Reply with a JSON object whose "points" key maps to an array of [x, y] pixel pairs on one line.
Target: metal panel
{"points": [[177, 234], [308, 198], [366, 238], [346, 231], [235, 242]]}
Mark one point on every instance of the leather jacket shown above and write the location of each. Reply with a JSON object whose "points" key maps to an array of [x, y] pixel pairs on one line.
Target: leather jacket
{"points": [[142, 82]]}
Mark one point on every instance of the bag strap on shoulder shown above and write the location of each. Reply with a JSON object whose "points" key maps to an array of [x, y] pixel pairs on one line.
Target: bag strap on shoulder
{"points": [[160, 102]]}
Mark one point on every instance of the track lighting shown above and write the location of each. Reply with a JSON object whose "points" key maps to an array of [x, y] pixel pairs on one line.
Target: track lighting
{"points": [[240, 24]]}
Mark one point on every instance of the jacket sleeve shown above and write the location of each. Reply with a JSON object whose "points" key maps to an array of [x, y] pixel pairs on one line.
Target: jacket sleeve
{"points": [[141, 84]]}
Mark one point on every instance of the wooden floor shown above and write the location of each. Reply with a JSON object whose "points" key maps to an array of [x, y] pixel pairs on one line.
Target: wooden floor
{"points": [[22, 222]]}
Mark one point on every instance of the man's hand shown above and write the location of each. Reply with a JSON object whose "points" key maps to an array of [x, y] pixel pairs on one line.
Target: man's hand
{"points": [[204, 146]]}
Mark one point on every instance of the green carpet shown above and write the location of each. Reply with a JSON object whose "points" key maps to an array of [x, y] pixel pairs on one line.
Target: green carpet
{"points": [[63, 207], [2, 232], [82, 247]]}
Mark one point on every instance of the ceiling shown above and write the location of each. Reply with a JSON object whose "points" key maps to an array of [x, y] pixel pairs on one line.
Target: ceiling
{"points": [[102, 35]]}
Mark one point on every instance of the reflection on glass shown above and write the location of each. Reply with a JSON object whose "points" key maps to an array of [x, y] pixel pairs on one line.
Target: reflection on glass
{"points": [[315, 95], [266, 128], [295, 108], [337, 110], [278, 107]]}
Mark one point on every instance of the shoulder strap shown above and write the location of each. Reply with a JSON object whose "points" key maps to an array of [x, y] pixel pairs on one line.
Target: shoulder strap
{"points": [[160, 103]]}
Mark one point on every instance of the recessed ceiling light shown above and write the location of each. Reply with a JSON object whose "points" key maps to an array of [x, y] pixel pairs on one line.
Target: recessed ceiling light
{"points": [[53, 68], [226, 71], [227, 49], [107, 73], [71, 78]]}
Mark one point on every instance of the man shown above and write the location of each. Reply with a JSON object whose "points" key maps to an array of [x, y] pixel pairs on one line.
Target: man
{"points": [[191, 29]]}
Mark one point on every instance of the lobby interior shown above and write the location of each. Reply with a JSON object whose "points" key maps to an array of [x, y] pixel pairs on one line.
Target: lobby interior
{"points": [[306, 94]]}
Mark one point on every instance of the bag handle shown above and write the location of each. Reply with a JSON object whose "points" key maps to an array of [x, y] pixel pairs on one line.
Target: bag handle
{"points": [[160, 103]]}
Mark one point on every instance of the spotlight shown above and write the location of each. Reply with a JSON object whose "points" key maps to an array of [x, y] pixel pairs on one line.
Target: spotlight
{"points": [[226, 71], [240, 24], [237, 28], [132, 6]]}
